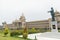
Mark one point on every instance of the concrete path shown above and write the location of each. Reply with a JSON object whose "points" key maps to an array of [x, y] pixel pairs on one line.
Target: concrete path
{"points": [[44, 36]]}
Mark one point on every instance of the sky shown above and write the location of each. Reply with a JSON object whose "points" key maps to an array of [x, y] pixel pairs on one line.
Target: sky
{"points": [[11, 10]]}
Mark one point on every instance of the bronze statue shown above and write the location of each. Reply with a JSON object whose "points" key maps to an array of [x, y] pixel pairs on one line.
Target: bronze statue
{"points": [[52, 14]]}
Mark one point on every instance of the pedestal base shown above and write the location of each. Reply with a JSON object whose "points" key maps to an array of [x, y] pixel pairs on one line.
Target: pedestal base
{"points": [[54, 26], [54, 30]]}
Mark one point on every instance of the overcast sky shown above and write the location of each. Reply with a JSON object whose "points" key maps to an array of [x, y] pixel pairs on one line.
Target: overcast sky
{"points": [[32, 9]]}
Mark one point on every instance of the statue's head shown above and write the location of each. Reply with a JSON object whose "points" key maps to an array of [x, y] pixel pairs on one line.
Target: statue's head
{"points": [[51, 7]]}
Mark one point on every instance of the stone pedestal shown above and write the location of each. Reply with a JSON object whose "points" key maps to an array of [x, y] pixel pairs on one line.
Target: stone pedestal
{"points": [[54, 26]]}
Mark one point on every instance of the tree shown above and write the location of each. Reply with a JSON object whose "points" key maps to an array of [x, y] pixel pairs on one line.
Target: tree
{"points": [[25, 33], [5, 30]]}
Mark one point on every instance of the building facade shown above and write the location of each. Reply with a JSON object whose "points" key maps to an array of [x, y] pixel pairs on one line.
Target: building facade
{"points": [[17, 24]]}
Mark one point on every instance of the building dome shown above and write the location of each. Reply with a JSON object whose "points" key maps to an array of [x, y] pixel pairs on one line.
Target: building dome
{"points": [[22, 18]]}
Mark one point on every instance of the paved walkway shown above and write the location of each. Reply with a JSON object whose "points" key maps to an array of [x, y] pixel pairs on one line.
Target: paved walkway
{"points": [[45, 36]]}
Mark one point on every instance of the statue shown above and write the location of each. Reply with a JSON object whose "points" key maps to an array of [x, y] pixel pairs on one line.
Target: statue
{"points": [[52, 13]]}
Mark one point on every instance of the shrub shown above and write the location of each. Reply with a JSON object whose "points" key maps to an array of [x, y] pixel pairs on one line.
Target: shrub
{"points": [[5, 31], [25, 33], [58, 30], [15, 33], [33, 30]]}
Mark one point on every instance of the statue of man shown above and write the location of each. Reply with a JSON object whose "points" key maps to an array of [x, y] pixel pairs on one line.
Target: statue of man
{"points": [[52, 13]]}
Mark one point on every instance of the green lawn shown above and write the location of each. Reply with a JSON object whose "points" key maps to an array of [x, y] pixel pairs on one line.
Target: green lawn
{"points": [[8, 37]]}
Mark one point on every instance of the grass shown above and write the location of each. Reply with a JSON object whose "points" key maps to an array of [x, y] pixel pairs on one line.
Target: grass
{"points": [[8, 37]]}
